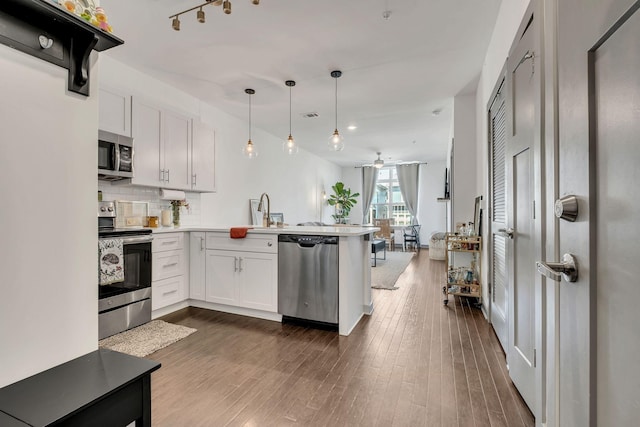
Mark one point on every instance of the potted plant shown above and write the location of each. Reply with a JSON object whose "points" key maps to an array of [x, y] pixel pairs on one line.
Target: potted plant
{"points": [[343, 201]]}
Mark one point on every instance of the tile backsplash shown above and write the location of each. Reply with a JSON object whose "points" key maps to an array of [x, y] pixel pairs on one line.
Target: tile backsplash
{"points": [[188, 217]]}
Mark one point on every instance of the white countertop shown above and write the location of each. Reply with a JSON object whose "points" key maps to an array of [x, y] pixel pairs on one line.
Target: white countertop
{"points": [[306, 230]]}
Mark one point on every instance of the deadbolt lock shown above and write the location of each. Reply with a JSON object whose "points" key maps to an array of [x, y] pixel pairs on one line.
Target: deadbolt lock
{"points": [[567, 208]]}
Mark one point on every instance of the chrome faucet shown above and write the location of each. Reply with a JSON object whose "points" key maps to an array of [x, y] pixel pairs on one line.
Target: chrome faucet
{"points": [[266, 216]]}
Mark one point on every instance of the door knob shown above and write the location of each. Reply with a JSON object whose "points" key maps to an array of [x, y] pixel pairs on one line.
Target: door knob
{"points": [[507, 232], [567, 208], [556, 270]]}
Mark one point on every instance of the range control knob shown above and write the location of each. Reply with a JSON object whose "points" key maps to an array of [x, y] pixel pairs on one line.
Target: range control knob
{"points": [[110, 209], [102, 209]]}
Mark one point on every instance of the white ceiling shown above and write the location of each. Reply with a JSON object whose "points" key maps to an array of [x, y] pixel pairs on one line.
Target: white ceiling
{"points": [[396, 72]]}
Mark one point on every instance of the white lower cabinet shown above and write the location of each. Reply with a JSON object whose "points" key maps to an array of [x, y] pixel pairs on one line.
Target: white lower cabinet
{"points": [[243, 279], [246, 278], [197, 265], [222, 277], [258, 287], [168, 270], [167, 291]]}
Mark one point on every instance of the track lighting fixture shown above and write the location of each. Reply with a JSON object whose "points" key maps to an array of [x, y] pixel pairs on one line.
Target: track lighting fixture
{"points": [[250, 150], [336, 141], [175, 24], [226, 8], [378, 163], [290, 146]]}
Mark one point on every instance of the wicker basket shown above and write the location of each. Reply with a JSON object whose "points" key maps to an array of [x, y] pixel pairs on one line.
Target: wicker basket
{"points": [[437, 246]]}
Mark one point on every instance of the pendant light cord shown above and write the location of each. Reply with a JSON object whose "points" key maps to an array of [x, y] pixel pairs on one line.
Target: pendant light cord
{"points": [[336, 103], [289, 110], [249, 117]]}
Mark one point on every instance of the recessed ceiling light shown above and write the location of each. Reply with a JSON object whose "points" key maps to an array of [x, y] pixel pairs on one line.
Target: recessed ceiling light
{"points": [[352, 127]]}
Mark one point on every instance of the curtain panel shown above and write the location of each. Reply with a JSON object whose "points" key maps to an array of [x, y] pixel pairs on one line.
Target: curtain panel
{"points": [[369, 180], [409, 186]]}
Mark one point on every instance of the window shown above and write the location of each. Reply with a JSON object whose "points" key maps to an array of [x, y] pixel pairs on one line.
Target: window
{"points": [[387, 199]]}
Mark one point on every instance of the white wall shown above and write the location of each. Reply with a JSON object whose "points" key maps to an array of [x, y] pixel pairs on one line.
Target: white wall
{"points": [[509, 17], [464, 178], [431, 213], [48, 152], [294, 184]]}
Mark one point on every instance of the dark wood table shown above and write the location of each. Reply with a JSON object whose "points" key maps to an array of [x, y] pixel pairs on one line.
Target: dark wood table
{"points": [[101, 388]]}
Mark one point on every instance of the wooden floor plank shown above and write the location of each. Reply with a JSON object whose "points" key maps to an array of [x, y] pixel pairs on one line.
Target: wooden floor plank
{"points": [[413, 362]]}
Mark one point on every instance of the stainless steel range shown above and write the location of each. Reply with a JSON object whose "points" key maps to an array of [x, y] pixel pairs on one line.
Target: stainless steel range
{"points": [[124, 292]]}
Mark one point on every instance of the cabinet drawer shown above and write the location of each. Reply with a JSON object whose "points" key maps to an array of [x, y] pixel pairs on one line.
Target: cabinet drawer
{"points": [[167, 264], [167, 242], [253, 242], [166, 292]]}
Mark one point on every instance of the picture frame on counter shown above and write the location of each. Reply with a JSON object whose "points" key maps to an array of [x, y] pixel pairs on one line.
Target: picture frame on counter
{"points": [[256, 218]]}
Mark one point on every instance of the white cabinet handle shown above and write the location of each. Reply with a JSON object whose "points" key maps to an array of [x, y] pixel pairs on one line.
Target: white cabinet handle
{"points": [[240, 268], [170, 265], [169, 292], [169, 242], [269, 244], [235, 263], [201, 244]]}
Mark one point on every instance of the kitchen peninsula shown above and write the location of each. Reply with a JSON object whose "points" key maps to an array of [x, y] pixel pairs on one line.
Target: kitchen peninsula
{"points": [[240, 276]]}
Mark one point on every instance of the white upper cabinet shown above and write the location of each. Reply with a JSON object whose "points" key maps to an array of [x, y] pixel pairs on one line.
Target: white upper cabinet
{"points": [[203, 156], [174, 154], [171, 150], [114, 111], [146, 130], [162, 140]]}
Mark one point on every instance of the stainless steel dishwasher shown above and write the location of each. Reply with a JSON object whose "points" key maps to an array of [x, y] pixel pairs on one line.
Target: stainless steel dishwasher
{"points": [[308, 277]]}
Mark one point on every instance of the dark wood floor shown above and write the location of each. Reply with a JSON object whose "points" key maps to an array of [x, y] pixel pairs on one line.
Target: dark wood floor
{"points": [[414, 362]]}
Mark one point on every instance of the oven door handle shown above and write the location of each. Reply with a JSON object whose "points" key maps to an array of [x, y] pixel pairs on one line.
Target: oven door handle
{"points": [[139, 239]]}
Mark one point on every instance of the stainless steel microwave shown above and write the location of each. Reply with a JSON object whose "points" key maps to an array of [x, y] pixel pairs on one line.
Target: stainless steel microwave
{"points": [[115, 156]]}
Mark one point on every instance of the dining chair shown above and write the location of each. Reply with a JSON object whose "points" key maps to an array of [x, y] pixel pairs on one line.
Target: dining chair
{"points": [[386, 232], [411, 235]]}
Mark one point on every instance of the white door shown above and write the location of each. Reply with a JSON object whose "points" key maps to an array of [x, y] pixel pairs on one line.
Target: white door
{"points": [[498, 268], [599, 158], [523, 99], [222, 277]]}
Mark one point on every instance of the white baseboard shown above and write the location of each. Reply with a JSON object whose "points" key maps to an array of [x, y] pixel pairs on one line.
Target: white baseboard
{"points": [[169, 309], [266, 315]]}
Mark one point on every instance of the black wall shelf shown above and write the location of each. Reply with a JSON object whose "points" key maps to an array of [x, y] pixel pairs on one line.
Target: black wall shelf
{"points": [[42, 29]]}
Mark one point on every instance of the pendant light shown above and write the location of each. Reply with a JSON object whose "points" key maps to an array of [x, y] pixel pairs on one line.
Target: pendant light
{"points": [[250, 150], [378, 163], [336, 141], [289, 146]]}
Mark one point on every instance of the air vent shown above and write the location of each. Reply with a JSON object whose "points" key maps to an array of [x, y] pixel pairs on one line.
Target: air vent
{"points": [[310, 115]]}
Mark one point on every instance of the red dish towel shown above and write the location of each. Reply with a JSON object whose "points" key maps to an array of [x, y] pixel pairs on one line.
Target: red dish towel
{"points": [[238, 232]]}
